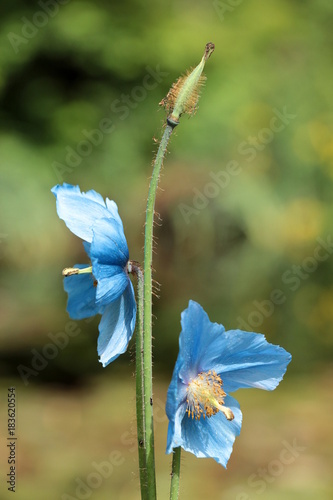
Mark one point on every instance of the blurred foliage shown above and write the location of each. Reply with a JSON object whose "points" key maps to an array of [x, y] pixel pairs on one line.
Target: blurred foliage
{"points": [[248, 240], [64, 74]]}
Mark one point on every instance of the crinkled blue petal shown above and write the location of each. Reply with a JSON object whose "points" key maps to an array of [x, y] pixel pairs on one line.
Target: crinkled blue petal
{"points": [[113, 209], [81, 295], [175, 406], [117, 326], [175, 433], [87, 247], [176, 391], [206, 438], [198, 334], [109, 244], [81, 210], [246, 359], [111, 282], [243, 359]]}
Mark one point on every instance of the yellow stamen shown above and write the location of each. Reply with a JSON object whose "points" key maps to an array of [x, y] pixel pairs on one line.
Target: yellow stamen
{"points": [[205, 396]]}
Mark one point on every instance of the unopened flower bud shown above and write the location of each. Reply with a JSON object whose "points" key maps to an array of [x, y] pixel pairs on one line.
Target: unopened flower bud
{"points": [[184, 94]]}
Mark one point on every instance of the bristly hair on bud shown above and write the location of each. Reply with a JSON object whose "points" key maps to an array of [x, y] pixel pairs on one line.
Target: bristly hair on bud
{"points": [[185, 92]]}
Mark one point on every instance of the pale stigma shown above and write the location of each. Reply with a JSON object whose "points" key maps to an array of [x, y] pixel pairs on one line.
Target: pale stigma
{"points": [[70, 271], [205, 396]]}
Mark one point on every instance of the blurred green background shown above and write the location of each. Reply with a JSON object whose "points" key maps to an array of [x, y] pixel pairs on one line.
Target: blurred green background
{"points": [[253, 247]]}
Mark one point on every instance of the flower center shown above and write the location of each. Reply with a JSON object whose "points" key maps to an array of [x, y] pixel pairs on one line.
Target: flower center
{"points": [[205, 396]]}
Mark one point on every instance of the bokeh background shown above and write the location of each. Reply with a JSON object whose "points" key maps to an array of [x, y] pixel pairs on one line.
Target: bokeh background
{"points": [[255, 248]]}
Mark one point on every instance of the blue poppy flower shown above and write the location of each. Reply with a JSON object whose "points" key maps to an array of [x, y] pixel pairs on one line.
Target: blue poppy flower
{"points": [[203, 418], [104, 287]]}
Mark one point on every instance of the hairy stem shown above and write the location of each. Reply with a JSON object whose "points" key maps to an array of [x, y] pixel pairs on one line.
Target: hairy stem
{"points": [[140, 414], [175, 474], [147, 319]]}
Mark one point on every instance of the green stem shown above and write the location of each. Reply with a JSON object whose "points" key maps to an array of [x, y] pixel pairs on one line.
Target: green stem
{"points": [[147, 318], [136, 269], [175, 474]]}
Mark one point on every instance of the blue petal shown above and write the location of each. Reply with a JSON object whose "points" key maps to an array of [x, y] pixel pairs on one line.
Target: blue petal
{"points": [[80, 210], [175, 431], [113, 209], [197, 334], [117, 326], [111, 282], [81, 295], [207, 438], [246, 359], [87, 247], [175, 405], [176, 391], [109, 244], [243, 359]]}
